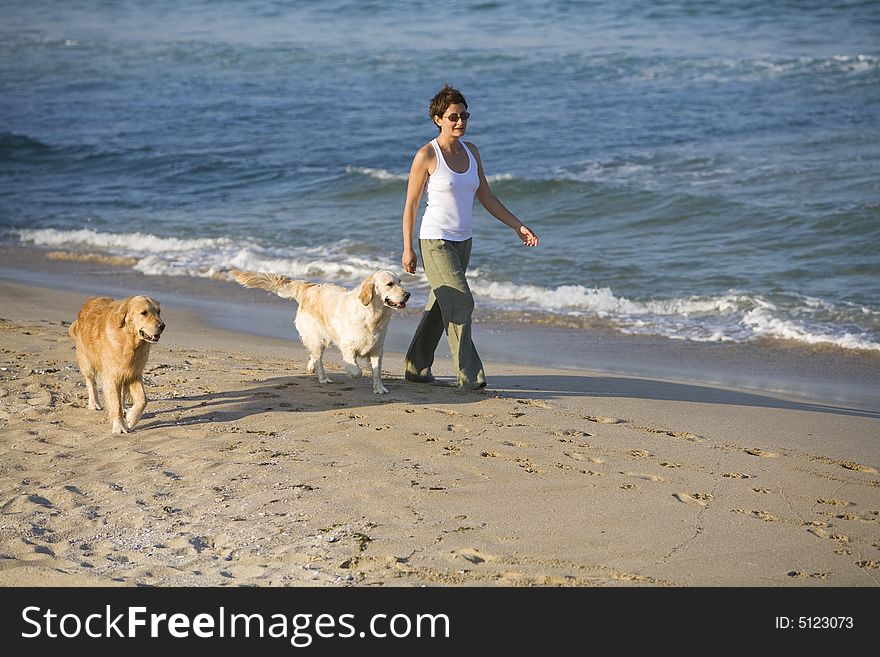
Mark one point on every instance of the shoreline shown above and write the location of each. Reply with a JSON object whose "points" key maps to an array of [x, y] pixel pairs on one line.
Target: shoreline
{"points": [[824, 374]]}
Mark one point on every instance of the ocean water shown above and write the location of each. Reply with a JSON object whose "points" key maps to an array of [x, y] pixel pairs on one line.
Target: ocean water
{"points": [[705, 171]]}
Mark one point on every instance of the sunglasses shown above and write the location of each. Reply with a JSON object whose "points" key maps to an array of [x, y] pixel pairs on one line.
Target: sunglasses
{"points": [[464, 116]]}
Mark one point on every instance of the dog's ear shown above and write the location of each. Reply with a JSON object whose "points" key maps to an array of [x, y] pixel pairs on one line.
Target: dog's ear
{"points": [[122, 312], [365, 292]]}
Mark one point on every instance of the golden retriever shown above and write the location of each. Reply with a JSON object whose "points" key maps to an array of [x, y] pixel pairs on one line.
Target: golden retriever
{"points": [[113, 339], [354, 320]]}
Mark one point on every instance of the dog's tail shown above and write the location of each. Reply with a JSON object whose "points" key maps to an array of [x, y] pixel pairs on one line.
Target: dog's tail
{"points": [[71, 330], [284, 287]]}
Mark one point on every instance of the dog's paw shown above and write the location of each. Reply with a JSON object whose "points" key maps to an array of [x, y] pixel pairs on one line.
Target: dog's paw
{"points": [[380, 389], [325, 379], [119, 427], [95, 407]]}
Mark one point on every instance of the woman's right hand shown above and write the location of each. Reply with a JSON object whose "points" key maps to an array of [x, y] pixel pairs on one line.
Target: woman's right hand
{"points": [[409, 261]]}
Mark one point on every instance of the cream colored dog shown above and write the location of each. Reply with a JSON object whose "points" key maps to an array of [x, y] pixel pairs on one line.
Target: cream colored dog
{"points": [[354, 320], [113, 339]]}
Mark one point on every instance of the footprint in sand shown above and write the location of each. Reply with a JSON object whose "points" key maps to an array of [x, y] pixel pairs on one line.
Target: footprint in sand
{"points": [[185, 543], [757, 451], [686, 435], [247, 572], [38, 397], [800, 574], [700, 499], [474, 556], [822, 533], [760, 515], [646, 477], [832, 502], [736, 475], [573, 433], [527, 465], [457, 428], [21, 504], [849, 465], [640, 453], [602, 420], [670, 464], [858, 467], [534, 402], [579, 456]]}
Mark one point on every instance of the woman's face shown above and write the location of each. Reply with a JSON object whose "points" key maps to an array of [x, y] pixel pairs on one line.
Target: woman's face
{"points": [[454, 120]]}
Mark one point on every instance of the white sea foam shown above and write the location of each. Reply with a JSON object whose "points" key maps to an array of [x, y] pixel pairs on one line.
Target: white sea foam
{"points": [[733, 316], [321, 266], [153, 265], [209, 257], [766, 68], [384, 176], [603, 301], [128, 242], [500, 177], [378, 174], [763, 323]]}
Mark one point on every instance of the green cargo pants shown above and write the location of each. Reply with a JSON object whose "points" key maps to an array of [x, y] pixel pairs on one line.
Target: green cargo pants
{"points": [[449, 308]]}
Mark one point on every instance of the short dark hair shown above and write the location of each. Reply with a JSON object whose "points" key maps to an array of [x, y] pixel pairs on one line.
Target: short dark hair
{"points": [[447, 96]]}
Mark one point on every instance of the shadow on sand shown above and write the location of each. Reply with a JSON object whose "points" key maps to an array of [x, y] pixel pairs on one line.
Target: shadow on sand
{"points": [[279, 394], [556, 386]]}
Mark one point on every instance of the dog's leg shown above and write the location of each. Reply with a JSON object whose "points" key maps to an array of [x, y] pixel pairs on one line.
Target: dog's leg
{"points": [[349, 360], [94, 405], [139, 403], [89, 373], [113, 392], [376, 364], [316, 364]]}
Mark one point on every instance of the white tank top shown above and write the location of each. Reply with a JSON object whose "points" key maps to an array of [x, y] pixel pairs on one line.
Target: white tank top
{"points": [[449, 212]]}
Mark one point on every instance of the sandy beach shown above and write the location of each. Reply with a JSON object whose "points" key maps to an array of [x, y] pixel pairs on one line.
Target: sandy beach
{"points": [[245, 471]]}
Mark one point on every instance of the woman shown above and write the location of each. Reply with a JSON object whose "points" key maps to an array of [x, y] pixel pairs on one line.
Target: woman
{"points": [[454, 175]]}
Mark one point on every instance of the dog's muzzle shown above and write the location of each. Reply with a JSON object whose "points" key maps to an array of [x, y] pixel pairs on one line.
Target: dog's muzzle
{"points": [[155, 336], [397, 304]]}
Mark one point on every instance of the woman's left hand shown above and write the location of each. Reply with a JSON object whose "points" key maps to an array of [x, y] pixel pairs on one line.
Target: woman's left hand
{"points": [[527, 236]]}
